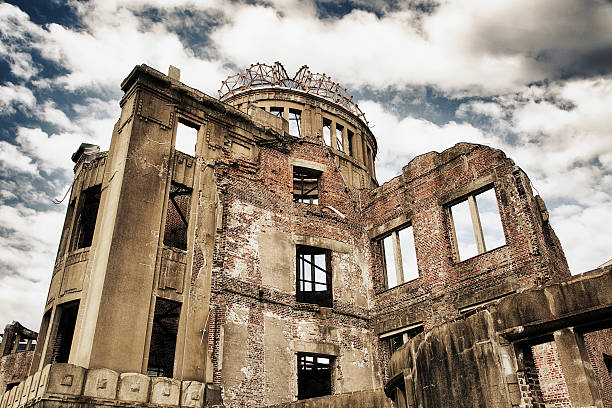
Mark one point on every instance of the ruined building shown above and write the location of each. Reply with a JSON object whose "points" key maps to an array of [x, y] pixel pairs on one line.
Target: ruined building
{"points": [[239, 252]]}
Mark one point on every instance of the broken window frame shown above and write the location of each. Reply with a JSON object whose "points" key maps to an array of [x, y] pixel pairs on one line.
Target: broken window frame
{"points": [[401, 274], [305, 186], [306, 286], [295, 122], [307, 365], [479, 236], [84, 224], [340, 137], [277, 111], [397, 338], [326, 132], [171, 240]]}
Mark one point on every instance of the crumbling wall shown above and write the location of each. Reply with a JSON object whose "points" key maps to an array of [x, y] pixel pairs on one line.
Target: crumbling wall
{"points": [[258, 326], [448, 286]]}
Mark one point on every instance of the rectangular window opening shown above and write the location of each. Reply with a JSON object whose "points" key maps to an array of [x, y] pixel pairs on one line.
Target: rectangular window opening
{"points": [[314, 280], [277, 111], [163, 338], [401, 337], [327, 131], [295, 122], [65, 331], [339, 138], [306, 185], [398, 257], [177, 216], [314, 375], [368, 162], [476, 224], [85, 220], [186, 138], [351, 148]]}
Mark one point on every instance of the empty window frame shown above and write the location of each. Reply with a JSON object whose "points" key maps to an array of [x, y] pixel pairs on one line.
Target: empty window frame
{"points": [[177, 216], [295, 122], [186, 138], [368, 160], [398, 257], [306, 185], [476, 224], [327, 131], [398, 338], [85, 220], [314, 276], [62, 343], [339, 137], [314, 375], [351, 139], [277, 111], [163, 338]]}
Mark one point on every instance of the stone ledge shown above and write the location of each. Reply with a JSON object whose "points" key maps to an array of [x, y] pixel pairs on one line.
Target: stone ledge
{"points": [[67, 385]]}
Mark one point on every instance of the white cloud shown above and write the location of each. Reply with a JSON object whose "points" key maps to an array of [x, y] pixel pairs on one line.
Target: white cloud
{"points": [[402, 139], [15, 96], [11, 159], [25, 277], [50, 151]]}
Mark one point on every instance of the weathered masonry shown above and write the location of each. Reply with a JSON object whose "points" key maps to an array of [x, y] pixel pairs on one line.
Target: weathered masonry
{"points": [[239, 252]]}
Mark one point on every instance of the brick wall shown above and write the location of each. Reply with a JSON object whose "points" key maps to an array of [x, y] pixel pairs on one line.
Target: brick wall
{"points": [[14, 368], [597, 343]]}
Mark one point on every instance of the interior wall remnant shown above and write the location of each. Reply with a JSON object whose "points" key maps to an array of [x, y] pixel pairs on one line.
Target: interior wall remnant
{"points": [[65, 331], [163, 338], [177, 216]]}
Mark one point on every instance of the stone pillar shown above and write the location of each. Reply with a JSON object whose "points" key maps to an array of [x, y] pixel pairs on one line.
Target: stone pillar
{"points": [[112, 325], [577, 370]]}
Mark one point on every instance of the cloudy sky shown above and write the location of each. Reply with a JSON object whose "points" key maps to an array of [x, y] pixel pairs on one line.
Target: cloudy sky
{"points": [[530, 77]]}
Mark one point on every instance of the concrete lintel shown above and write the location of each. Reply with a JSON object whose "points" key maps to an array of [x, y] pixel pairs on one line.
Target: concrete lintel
{"points": [[467, 189], [307, 163], [316, 348], [389, 225], [321, 242]]}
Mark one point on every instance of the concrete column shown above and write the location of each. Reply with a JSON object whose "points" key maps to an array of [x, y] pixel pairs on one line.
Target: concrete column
{"points": [[577, 370], [397, 254], [480, 244], [111, 328]]}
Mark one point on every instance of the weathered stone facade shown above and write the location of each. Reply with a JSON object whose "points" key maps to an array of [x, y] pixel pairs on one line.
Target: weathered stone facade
{"points": [[268, 265]]}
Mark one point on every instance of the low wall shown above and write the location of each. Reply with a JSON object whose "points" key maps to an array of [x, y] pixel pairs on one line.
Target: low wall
{"points": [[67, 385], [360, 399]]}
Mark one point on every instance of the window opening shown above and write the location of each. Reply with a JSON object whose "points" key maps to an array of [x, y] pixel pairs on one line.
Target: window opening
{"points": [[477, 224], [85, 221], [339, 138], [163, 338], [186, 138], [295, 122], [398, 339], [327, 131], [351, 148], [369, 158], [314, 283], [314, 375], [65, 332], [608, 362], [177, 216], [277, 111], [398, 256], [306, 185]]}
